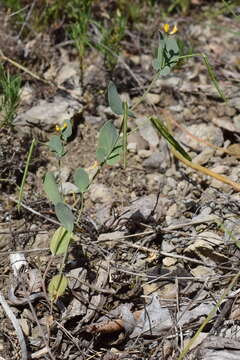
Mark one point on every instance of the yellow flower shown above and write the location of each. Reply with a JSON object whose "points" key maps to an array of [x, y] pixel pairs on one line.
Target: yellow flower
{"points": [[166, 28], [58, 128], [174, 30]]}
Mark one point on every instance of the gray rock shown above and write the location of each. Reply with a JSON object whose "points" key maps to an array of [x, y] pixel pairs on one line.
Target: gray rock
{"points": [[207, 132], [176, 108], [235, 102], [93, 120], [141, 208], [67, 188], [132, 147], [154, 161], [101, 193], [155, 180], [144, 154], [147, 131], [135, 59], [152, 99], [146, 62], [139, 211], [63, 174], [204, 156], [236, 121], [47, 114], [69, 71], [137, 139], [168, 81]]}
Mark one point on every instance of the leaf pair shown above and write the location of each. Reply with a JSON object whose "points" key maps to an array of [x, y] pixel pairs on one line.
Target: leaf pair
{"points": [[63, 211], [109, 145]]}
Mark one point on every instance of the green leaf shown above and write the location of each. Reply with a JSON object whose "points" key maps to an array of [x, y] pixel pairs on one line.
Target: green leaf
{"points": [[51, 188], [174, 60], [158, 124], [115, 155], [67, 132], [172, 45], [108, 136], [213, 77], [101, 155], [165, 71], [81, 179], [56, 145], [60, 241], [160, 51], [156, 64], [57, 286], [65, 216], [109, 144], [114, 99]]}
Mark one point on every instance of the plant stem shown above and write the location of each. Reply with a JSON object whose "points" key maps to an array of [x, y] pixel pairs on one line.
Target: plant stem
{"points": [[34, 141]]}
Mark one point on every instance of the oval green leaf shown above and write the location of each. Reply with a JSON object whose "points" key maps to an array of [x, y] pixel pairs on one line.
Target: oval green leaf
{"points": [[60, 241], [115, 155], [56, 145], [57, 286], [81, 179], [51, 188], [156, 64], [65, 216], [108, 136], [165, 71], [171, 44], [100, 155], [114, 99]]}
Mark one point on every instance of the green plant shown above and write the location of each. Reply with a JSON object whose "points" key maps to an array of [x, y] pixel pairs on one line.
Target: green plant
{"points": [[111, 36], [112, 144], [17, 8], [14, 5], [108, 152], [81, 15], [136, 11], [182, 4], [53, 11], [10, 86]]}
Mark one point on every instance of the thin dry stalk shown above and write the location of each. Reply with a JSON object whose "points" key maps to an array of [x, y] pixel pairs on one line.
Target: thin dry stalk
{"points": [[8, 311]]}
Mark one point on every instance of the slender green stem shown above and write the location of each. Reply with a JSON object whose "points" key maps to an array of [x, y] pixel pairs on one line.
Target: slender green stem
{"points": [[34, 141], [145, 92], [81, 207], [125, 121], [209, 69]]}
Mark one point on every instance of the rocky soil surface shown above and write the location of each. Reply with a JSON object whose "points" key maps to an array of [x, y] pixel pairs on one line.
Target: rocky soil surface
{"points": [[157, 246]]}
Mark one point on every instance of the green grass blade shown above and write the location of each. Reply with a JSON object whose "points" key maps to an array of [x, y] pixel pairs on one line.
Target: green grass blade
{"points": [[161, 128], [213, 77]]}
